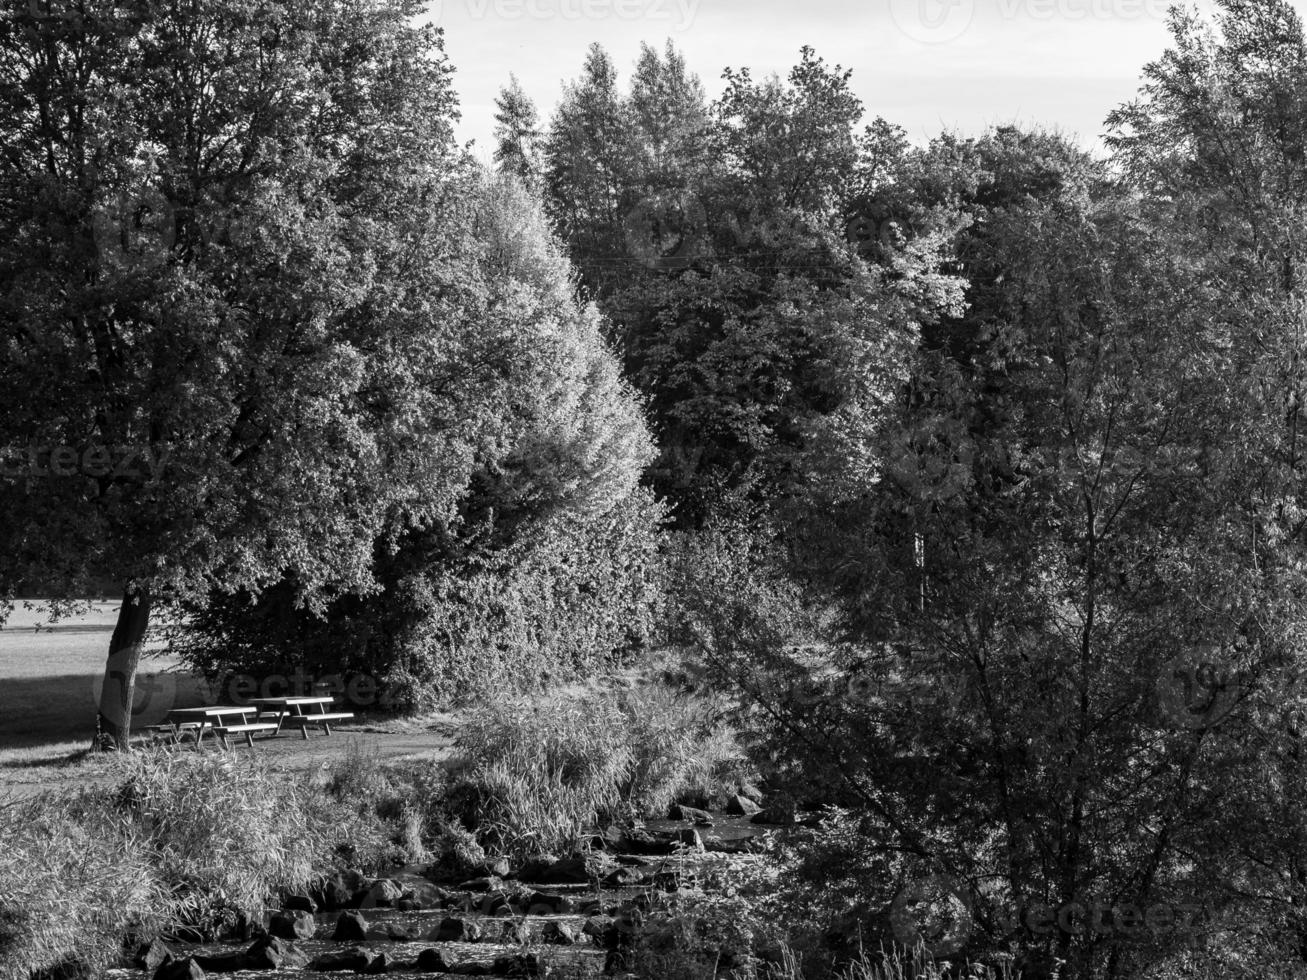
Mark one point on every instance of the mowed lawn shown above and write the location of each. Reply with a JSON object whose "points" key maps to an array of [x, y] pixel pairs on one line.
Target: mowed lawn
{"points": [[50, 677]]}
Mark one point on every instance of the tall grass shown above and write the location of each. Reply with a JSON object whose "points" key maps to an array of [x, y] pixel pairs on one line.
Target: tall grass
{"points": [[182, 837], [537, 773]]}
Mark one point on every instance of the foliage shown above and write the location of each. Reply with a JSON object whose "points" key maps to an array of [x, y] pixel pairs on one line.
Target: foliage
{"points": [[533, 776], [179, 838], [548, 563]]}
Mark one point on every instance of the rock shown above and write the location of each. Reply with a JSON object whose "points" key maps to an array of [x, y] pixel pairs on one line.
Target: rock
{"points": [[689, 837], [751, 792], [486, 884], [740, 845], [378, 965], [421, 896], [223, 962], [456, 930], [299, 903], [496, 868], [274, 953], [434, 961], [292, 925], [622, 876], [780, 816], [741, 806], [600, 928], [358, 960], [351, 927], [679, 812], [560, 934], [534, 867], [153, 955], [187, 969], [397, 932], [544, 903], [382, 894], [576, 870], [339, 890]]}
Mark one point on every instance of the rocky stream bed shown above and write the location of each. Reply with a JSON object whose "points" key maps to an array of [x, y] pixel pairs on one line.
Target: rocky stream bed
{"points": [[573, 917]]}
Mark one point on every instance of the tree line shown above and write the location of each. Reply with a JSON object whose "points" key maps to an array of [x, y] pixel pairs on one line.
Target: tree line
{"points": [[1004, 434]]}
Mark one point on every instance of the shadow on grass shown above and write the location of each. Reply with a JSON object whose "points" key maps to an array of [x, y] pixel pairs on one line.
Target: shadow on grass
{"points": [[44, 711]]}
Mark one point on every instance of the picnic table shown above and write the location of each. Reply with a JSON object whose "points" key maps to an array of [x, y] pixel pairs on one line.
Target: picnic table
{"points": [[301, 711], [215, 716]]}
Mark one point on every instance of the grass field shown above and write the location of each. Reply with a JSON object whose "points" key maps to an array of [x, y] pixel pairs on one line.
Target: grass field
{"points": [[50, 676]]}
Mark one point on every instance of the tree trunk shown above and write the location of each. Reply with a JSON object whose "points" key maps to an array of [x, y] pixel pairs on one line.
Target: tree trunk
{"points": [[114, 724]]}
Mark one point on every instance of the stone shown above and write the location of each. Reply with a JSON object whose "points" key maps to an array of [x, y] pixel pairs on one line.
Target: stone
{"points": [[484, 884], [274, 953], [689, 837], [187, 969], [223, 962], [351, 927], [560, 934], [339, 890], [434, 961], [153, 955], [532, 869], [780, 816], [599, 927], [299, 903], [544, 903], [292, 925], [496, 868], [456, 930], [679, 812], [740, 805], [383, 893], [355, 959]]}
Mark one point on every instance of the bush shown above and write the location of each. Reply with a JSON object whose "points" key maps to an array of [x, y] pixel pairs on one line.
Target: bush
{"points": [[73, 880], [182, 837], [536, 774]]}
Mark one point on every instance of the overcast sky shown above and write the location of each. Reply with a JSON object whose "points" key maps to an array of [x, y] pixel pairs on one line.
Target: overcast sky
{"points": [[925, 64]]}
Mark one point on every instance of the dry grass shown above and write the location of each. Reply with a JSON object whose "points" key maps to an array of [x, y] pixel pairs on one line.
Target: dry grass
{"points": [[537, 773]]}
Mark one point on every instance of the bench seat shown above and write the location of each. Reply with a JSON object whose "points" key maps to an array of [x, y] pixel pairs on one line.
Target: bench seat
{"points": [[248, 729], [324, 720]]}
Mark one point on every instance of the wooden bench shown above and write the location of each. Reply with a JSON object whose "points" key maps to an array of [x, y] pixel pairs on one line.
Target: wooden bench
{"points": [[248, 729], [325, 719]]}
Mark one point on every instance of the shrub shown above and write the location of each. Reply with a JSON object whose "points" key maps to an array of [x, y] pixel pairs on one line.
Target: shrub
{"points": [[73, 879], [536, 774]]}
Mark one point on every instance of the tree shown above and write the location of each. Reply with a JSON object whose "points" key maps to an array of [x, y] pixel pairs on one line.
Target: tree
{"points": [[223, 241], [1216, 145], [755, 351], [543, 566], [517, 134], [587, 154]]}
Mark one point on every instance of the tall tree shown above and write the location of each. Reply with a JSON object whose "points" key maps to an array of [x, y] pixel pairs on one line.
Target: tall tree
{"points": [[588, 165], [517, 133], [223, 231]]}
